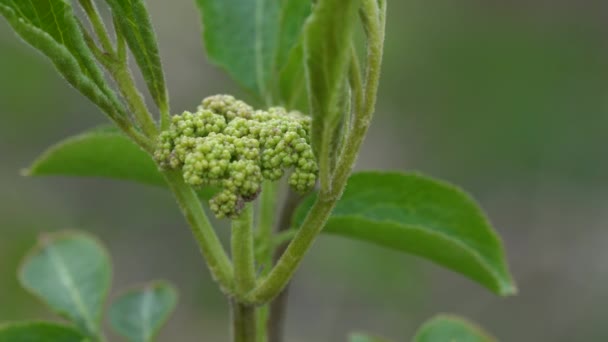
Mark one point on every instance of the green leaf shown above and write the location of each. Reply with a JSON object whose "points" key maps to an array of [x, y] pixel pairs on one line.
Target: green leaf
{"points": [[99, 153], [71, 273], [50, 27], [39, 332], [425, 217], [357, 337], [444, 328], [139, 314], [105, 153], [327, 43], [252, 39], [136, 27], [292, 81]]}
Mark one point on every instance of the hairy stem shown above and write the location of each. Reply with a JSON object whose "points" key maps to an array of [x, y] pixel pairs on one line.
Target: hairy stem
{"points": [[268, 204], [243, 322], [264, 238], [98, 26], [244, 316], [217, 259], [278, 307], [314, 222], [135, 100], [242, 252]]}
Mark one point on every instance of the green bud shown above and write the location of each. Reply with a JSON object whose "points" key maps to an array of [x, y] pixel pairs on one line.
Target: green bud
{"points": [[227, 143]]}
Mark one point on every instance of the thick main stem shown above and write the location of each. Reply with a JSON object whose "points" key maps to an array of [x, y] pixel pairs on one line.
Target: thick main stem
{"points": [[242, 252], [278, 307], [209, 244], [243, 315], [243, 322]]}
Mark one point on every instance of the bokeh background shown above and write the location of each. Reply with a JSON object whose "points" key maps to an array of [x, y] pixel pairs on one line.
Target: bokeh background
{"points": [[507, 98]]}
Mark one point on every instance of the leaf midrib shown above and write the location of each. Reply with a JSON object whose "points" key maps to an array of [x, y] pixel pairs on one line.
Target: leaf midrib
{"points": [[66, 279]]}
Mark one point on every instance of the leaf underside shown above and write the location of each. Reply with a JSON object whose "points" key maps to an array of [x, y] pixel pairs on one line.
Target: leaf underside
{"points": [[327, 46], [71, 273], [447, 328], [358, 337], [136, 27], [139, 314], [424, 217]]}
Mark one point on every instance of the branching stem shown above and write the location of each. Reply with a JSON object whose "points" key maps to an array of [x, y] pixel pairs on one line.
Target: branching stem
{"points": [[314, 222], [216, 257]]}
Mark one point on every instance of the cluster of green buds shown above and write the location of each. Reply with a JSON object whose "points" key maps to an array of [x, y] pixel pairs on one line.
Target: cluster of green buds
{"points": [[229, 145]]}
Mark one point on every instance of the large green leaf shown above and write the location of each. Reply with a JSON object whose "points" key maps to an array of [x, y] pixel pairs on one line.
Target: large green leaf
{"points": [[252, 39], [421, 216], [139, 314], [103, 152], [50, 27], [445, 328], [327, 50], [39, 332], [71, 273], [135, 26]]}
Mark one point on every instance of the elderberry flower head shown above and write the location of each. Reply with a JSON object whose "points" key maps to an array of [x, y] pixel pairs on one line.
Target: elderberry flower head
{"points": [[229, 145]]}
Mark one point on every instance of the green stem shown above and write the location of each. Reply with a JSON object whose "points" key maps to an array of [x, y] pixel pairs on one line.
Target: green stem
{"points": [[97, 24], [268, 202], [242, 252], [243, 322], [244, 316], [121, 43], [134, 99], [262, 319], [317, 217], [278, 307], [217, 260], [286, 266]]}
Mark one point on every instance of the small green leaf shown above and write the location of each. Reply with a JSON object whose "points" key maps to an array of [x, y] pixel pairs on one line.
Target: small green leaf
{"points": [[71, 273], [39, 332], [139, 314], [50, 27], [327, 43], [103, 152], [357, 337], [424, 217], [136, 27], [446, 328], [252, 39]]}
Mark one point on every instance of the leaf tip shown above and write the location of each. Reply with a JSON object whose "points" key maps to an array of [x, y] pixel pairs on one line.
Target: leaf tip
{"points": [[508, 289]]}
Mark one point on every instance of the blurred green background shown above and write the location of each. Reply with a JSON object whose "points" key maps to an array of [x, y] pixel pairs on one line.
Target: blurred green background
{"points": [[508, 99]]}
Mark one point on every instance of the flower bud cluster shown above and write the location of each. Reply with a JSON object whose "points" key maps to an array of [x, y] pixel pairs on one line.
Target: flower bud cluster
{"points": [[228, 144]]}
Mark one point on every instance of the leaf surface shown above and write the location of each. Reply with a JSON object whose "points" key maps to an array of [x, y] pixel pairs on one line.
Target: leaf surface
{"points": [[136, 27], [451, 328], [139, 314], [327, 42], [71, 273], [422, 216], [102, 152], [252, 40], [50, 27], [39, 332]]}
